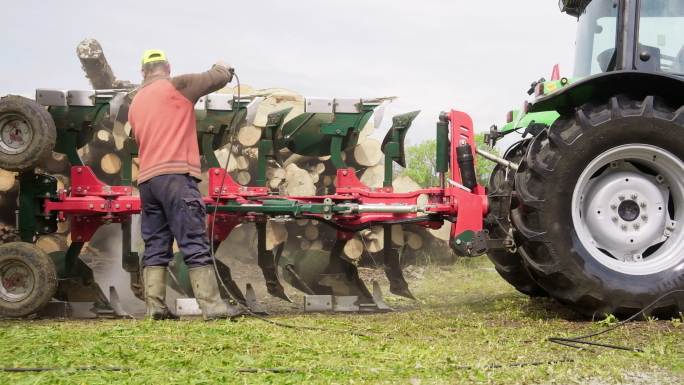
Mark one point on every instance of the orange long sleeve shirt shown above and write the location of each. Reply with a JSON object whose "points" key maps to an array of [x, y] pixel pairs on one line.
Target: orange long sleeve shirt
{"points": [[162, 117]]}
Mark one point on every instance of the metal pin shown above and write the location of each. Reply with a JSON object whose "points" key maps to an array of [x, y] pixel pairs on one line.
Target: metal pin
{"points": [[497, 159]]}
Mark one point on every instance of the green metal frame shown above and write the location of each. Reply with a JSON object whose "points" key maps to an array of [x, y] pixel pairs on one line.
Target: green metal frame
{"points": [[214, 129], [320, 134], [267, 149], [281, 207], [313, 134], [393, 144], [442, 145], [75, 125], [32, 221]]}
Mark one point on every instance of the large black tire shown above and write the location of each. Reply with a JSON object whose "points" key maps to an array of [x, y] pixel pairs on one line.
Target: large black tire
{"points": [[508, 264], [27, 133], [561, 261], [28, 279]]}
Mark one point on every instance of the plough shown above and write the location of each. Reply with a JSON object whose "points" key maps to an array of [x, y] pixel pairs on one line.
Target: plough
{"points": [[327, 127]]}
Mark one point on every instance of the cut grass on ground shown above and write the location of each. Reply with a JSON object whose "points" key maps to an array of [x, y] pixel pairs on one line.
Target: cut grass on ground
{"points": [[467, 323]]}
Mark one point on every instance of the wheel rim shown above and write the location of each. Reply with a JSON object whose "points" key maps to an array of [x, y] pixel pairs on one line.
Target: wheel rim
{"points": [[15, 134], [626, 206], [16, 281]]}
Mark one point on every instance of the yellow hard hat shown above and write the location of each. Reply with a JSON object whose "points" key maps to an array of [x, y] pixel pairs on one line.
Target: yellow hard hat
{"points": [[153, 55]]}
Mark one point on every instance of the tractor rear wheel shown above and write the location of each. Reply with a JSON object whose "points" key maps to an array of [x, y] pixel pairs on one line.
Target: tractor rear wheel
{"points": [[507, 261], [28, 279], [602, 207], [27, 133]]}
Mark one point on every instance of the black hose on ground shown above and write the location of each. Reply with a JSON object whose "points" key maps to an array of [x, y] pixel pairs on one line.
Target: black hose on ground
{"points": [[577, 342]]}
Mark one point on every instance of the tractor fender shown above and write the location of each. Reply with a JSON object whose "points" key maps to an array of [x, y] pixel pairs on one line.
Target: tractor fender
{"points": [[604, 85]]}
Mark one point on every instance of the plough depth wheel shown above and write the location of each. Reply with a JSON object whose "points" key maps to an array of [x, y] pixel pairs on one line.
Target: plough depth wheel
{"points": [[28, 279], [27, 133]]}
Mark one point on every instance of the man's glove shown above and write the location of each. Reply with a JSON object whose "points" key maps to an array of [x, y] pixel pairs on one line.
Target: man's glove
{"points": [[222, 64]]}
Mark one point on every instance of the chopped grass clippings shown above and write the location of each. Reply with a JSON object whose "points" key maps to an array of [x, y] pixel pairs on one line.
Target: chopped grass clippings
{"points": [[468, 327]]}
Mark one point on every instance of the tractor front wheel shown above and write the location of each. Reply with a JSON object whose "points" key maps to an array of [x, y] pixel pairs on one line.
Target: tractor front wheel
{"points": [[602, 207], [507, 261]]}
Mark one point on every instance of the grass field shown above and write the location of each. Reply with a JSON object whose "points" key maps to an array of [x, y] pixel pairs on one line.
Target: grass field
{"points": [[467, 323]]}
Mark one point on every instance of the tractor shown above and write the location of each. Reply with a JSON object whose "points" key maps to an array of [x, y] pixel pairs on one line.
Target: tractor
{"points": [[589, 208]]}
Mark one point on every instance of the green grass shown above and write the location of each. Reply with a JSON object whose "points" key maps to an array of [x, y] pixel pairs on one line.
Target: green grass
{"points": [[467, 317]]}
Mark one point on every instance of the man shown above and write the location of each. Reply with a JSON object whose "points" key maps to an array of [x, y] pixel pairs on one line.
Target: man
{"points": [[162, 118]]}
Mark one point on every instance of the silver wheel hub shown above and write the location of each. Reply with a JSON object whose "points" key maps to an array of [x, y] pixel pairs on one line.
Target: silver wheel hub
{"points": [[15, 134], [16, 281], [622, 213], [624, 209]]}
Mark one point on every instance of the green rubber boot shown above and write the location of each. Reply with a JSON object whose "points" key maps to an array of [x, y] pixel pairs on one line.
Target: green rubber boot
{"points": [[205, 287], [154, 278]]}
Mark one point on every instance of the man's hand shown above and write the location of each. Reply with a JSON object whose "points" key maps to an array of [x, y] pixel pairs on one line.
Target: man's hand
{"points": [[225, 65]]}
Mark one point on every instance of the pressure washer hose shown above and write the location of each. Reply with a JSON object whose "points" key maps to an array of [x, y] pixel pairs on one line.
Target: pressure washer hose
{"points": [[233, 134], [245, 310]]}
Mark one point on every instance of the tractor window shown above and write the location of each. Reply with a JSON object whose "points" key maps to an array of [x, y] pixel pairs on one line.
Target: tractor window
{"points": [[661, 35], [596, 34]]}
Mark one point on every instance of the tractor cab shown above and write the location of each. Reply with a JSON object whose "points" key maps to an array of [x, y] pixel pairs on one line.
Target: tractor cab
{"points": [[642, 35]]}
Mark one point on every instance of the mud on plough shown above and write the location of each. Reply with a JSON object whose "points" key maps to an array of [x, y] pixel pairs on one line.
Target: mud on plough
{"points": [[327, 127]]}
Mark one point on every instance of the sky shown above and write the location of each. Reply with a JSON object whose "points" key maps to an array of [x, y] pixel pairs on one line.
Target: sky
{"points": [[474, 56]]}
